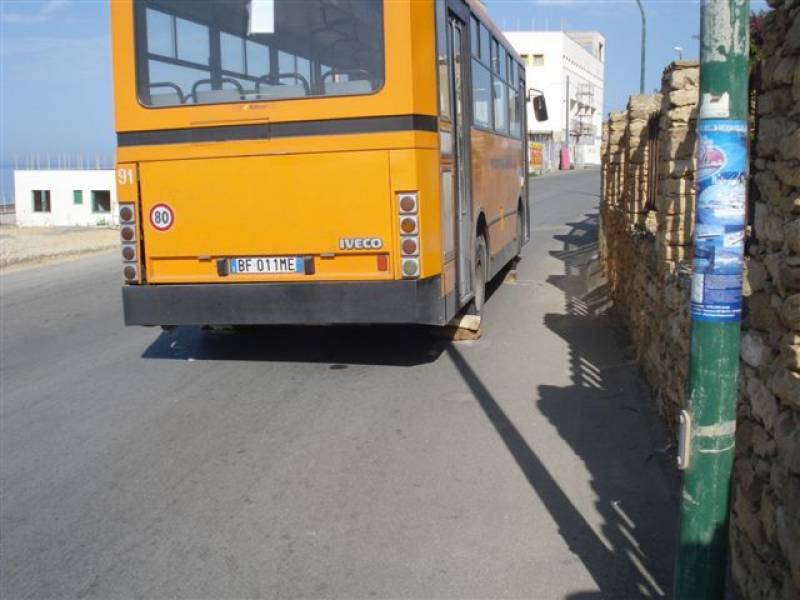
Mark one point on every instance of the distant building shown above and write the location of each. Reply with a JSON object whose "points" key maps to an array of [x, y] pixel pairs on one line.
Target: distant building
{"points": [[79, 198], [568, 67]]}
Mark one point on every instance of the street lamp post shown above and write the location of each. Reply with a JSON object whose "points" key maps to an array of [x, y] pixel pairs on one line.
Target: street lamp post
{"points": [[644, 42], [708, 425]]}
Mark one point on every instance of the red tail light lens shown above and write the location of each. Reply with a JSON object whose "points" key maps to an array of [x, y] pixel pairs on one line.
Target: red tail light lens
{"points": [[408, 203], [383, 262], [409, 246], [127, 233], [408, 224]]}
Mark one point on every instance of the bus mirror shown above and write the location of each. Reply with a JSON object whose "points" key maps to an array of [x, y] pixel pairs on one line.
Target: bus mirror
{"points": [[539, 108]]}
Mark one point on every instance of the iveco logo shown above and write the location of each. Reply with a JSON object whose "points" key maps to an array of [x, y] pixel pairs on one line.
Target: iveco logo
{"points": [[360, 243]]}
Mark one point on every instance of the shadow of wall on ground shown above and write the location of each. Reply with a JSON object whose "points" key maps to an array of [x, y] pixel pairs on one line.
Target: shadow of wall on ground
{"points": [[608, 420]]}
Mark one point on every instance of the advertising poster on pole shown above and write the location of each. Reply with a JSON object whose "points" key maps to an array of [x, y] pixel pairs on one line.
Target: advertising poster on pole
{"points": [[719, 236]]}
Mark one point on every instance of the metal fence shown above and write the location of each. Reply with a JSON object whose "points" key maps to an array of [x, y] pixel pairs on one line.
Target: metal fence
{"points": [[63, 160]]}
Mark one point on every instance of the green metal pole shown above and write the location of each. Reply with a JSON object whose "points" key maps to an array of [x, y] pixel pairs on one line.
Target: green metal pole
{"points": [[708, 426], [644, 44]]}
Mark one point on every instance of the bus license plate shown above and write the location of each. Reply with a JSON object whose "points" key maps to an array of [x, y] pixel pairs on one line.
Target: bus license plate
{"points": [[266, 264]]}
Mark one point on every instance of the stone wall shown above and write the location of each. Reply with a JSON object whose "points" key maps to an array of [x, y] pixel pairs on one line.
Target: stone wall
{"points": [[646, 248], [646, 251], [765, 532]]}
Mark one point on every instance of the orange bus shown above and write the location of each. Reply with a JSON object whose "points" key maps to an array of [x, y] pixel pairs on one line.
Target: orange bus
{"points": [[315, 162]]}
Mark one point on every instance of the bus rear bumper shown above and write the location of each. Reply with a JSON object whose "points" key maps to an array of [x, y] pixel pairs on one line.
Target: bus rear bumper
{"points": [[352, 302]]}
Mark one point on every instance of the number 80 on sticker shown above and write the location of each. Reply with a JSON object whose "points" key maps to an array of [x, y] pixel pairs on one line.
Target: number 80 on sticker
{"points": [[161, 217]]}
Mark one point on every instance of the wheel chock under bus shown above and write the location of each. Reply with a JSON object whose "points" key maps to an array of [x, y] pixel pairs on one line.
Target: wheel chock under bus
{"points": [[463, 328]]}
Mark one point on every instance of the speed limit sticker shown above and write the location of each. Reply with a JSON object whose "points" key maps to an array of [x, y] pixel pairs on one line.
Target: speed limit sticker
{"points": [[161, 217]]}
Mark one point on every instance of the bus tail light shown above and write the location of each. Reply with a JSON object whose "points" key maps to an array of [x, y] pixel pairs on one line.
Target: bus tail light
{"points": [[130, 272], [409, 246], [410, 267], [408, 224], [408, 205], [127, 232]]}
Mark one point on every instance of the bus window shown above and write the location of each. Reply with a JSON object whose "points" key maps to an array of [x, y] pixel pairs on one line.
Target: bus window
{"points": [[474, 36], [201, 52], [485, 37], [257, 56], [232, 49], [159, 34], [514, 112], [193, 46], [500, 105], [481, 94], [496, 56], [441, 60]]}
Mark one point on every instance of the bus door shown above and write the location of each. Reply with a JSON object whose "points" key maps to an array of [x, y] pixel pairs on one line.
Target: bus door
{"points": [[526, 199], [458, 63]]}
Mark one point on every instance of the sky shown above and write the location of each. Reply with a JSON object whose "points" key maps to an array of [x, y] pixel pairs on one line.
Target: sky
{"points": [[55, 62]]}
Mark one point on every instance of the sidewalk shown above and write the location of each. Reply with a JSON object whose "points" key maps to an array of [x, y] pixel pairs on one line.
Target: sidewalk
{"points": [[27, 246]]}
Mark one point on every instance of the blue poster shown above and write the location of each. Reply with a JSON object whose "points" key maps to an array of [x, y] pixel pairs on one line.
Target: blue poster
{"points": [[719, 235]]}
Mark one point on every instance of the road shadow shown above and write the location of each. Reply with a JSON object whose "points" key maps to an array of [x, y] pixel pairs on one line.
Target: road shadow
{"points": [[609, 421], [340, 346]]}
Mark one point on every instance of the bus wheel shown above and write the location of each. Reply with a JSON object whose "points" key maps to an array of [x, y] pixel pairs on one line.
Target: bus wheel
{"points": [[481, 268], [519, 233]]}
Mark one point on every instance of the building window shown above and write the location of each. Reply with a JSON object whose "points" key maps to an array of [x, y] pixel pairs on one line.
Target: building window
{"points": [[41, 201], [101, 201], [77, 196], [537, 60]]}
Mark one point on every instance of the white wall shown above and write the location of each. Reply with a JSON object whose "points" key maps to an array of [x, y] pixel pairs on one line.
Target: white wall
{"points": [[578, 60], [63, 210], [547, 78]]}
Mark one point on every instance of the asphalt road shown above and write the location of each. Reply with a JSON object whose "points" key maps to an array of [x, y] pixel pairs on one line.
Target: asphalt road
{"points": [[333, 462]]}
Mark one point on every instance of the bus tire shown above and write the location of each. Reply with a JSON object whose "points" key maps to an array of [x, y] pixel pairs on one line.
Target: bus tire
{"points": [[480, 271], [520, 233]]}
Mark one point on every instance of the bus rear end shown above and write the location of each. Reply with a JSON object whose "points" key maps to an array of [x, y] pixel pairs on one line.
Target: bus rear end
{"points": [[278, 162]]}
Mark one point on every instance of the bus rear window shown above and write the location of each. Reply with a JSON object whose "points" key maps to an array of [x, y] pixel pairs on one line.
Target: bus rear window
{"points": [[222, 51]]}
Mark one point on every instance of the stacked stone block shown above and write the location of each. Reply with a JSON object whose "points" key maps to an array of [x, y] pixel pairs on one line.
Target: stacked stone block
{"points": [[765, 529], [635, 189], [614, 157], [675, 200]]}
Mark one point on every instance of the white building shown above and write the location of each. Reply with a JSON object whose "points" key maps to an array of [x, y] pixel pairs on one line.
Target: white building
{"points": [[81, 198], [568, 67]]}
